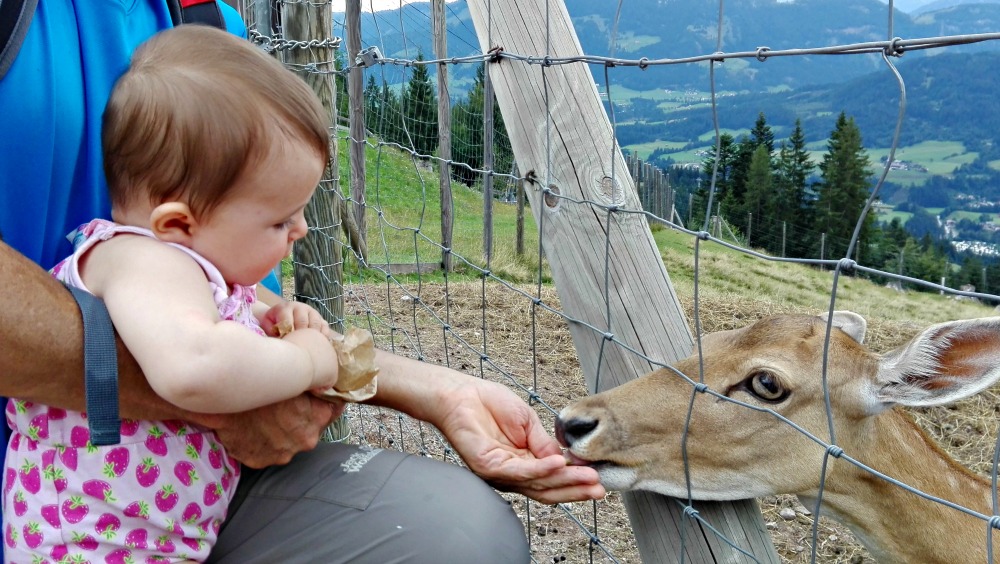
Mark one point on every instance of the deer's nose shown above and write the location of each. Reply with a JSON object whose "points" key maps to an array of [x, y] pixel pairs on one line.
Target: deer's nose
{"points": [[568, 431]]}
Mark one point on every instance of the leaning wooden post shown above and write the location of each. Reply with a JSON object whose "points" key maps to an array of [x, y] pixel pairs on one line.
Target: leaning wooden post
{"points": [[560, 132], [444, 132], [356, 118]]}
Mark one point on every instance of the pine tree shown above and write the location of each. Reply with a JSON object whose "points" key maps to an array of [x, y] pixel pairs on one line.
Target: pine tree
{"points": [[467, 131], [735, 206], [843, 190], [340, 82], [374, 107], [794, 167], [420, 110], [760, 202], [383, 114], [726, 158], [761, 134], [467, 135]]}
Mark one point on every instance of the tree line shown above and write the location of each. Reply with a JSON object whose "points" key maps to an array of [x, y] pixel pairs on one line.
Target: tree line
{"points": [[409, 118], [774, 197]]}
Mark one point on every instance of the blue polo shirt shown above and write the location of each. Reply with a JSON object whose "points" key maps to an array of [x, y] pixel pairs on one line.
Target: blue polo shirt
{"points": [[51, 101]]}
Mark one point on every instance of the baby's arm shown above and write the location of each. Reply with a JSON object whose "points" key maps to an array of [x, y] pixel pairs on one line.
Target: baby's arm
{"points": [[161, 305]]}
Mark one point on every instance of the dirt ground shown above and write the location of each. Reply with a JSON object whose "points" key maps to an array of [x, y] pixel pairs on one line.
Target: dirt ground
{"points": [[494, 331]]}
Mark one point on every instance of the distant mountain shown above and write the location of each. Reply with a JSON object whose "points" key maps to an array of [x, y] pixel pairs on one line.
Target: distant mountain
{"points": [[692, 28], [660, 29], [948, 98], [916, 7], [941, 5]]}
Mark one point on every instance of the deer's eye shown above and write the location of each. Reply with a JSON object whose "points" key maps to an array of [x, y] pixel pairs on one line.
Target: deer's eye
{"points": [[766, 386]]}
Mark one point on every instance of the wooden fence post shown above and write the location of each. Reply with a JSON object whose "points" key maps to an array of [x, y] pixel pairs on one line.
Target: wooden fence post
{"points": [[356, 118], [318, 272], [444, 131], [488, 126], [560, 132]]}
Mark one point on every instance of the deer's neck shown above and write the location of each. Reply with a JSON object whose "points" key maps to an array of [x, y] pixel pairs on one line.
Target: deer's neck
{"points": [[895, 524]]}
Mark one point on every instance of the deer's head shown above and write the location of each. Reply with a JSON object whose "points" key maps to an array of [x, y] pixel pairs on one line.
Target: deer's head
{"points": [[735, 445]]}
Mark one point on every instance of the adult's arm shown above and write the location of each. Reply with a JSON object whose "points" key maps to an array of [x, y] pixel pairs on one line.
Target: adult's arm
{"points": [[497, 434], [41, 360]]}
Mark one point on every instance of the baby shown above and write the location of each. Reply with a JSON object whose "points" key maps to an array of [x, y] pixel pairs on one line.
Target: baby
{"points": [[212, 150]]}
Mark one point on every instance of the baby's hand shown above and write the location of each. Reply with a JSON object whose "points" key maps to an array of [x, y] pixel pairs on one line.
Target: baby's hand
{"points": [[288, 316]]}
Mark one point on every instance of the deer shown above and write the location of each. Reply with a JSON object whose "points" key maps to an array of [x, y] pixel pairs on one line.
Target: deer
{"points": [[638, 438]]}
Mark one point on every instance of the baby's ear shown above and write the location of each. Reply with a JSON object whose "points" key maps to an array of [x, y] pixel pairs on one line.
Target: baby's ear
{"points": [[173, 222]]}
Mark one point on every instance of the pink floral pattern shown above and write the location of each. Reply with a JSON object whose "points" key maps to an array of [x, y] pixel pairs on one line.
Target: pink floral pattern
{"points": [[159, 496]]}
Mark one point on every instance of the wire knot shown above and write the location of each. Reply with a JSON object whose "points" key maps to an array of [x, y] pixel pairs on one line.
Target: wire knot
{"points": [[894, 49], [643, 63], [834, 451], [701, 387], [995, 522], [846, 265], [762, 53], [704, 235], [691, 512]]}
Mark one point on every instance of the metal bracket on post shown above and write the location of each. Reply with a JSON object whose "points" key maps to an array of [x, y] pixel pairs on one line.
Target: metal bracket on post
{"points": [[368, 57]]}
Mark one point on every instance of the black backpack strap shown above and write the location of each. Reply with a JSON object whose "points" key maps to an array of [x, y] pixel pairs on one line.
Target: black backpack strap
{"points": [[205, 12], [15, 17], [100, 359]]}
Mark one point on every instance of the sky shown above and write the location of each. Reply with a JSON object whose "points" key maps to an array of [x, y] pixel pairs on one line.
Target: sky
{"points": [[367, 5], [378, 5]]}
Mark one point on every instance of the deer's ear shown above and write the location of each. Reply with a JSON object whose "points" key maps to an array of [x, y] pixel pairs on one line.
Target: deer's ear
{"points": [[848, 322], [947, 362]]}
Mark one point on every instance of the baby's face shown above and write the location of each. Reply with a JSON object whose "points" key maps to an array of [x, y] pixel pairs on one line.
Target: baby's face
{"points": [[250, 231]]}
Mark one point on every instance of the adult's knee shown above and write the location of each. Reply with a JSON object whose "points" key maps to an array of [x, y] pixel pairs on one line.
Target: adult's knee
{"points": [[463, 518]]}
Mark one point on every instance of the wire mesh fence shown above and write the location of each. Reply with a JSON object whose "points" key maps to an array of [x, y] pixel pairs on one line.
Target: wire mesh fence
{"points": [[497, 314]]}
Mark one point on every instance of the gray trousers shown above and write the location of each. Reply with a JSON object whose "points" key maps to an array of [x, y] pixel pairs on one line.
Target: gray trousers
{"points": [[343, 503]]}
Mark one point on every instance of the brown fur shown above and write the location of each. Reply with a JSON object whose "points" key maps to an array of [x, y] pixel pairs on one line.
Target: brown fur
{"points": [[734, 452]]}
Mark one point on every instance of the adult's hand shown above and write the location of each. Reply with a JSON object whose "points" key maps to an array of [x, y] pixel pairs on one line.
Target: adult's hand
{"points": [[272, 434], [503, 441]]}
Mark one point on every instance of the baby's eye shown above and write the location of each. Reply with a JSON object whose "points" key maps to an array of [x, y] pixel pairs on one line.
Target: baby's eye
{"points": [[287, 224]]}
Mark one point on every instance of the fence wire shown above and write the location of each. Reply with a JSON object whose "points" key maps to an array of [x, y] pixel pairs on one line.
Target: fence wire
{"points": [[491, 326]]}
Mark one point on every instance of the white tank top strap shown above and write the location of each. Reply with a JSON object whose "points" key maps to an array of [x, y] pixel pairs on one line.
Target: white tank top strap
{"points": [[102, 230]]}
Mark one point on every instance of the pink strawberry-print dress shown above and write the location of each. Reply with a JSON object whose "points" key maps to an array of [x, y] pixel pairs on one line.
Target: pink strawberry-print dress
{"points": [[159, 496]]}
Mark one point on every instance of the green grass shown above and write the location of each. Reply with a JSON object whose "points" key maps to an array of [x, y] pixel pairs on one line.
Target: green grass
{"points": [[902, 216], [939, 157], [632, 43], [407, 195], [959, 215], [709, 136], [404, 211], [729, 275], [643, 150]]}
